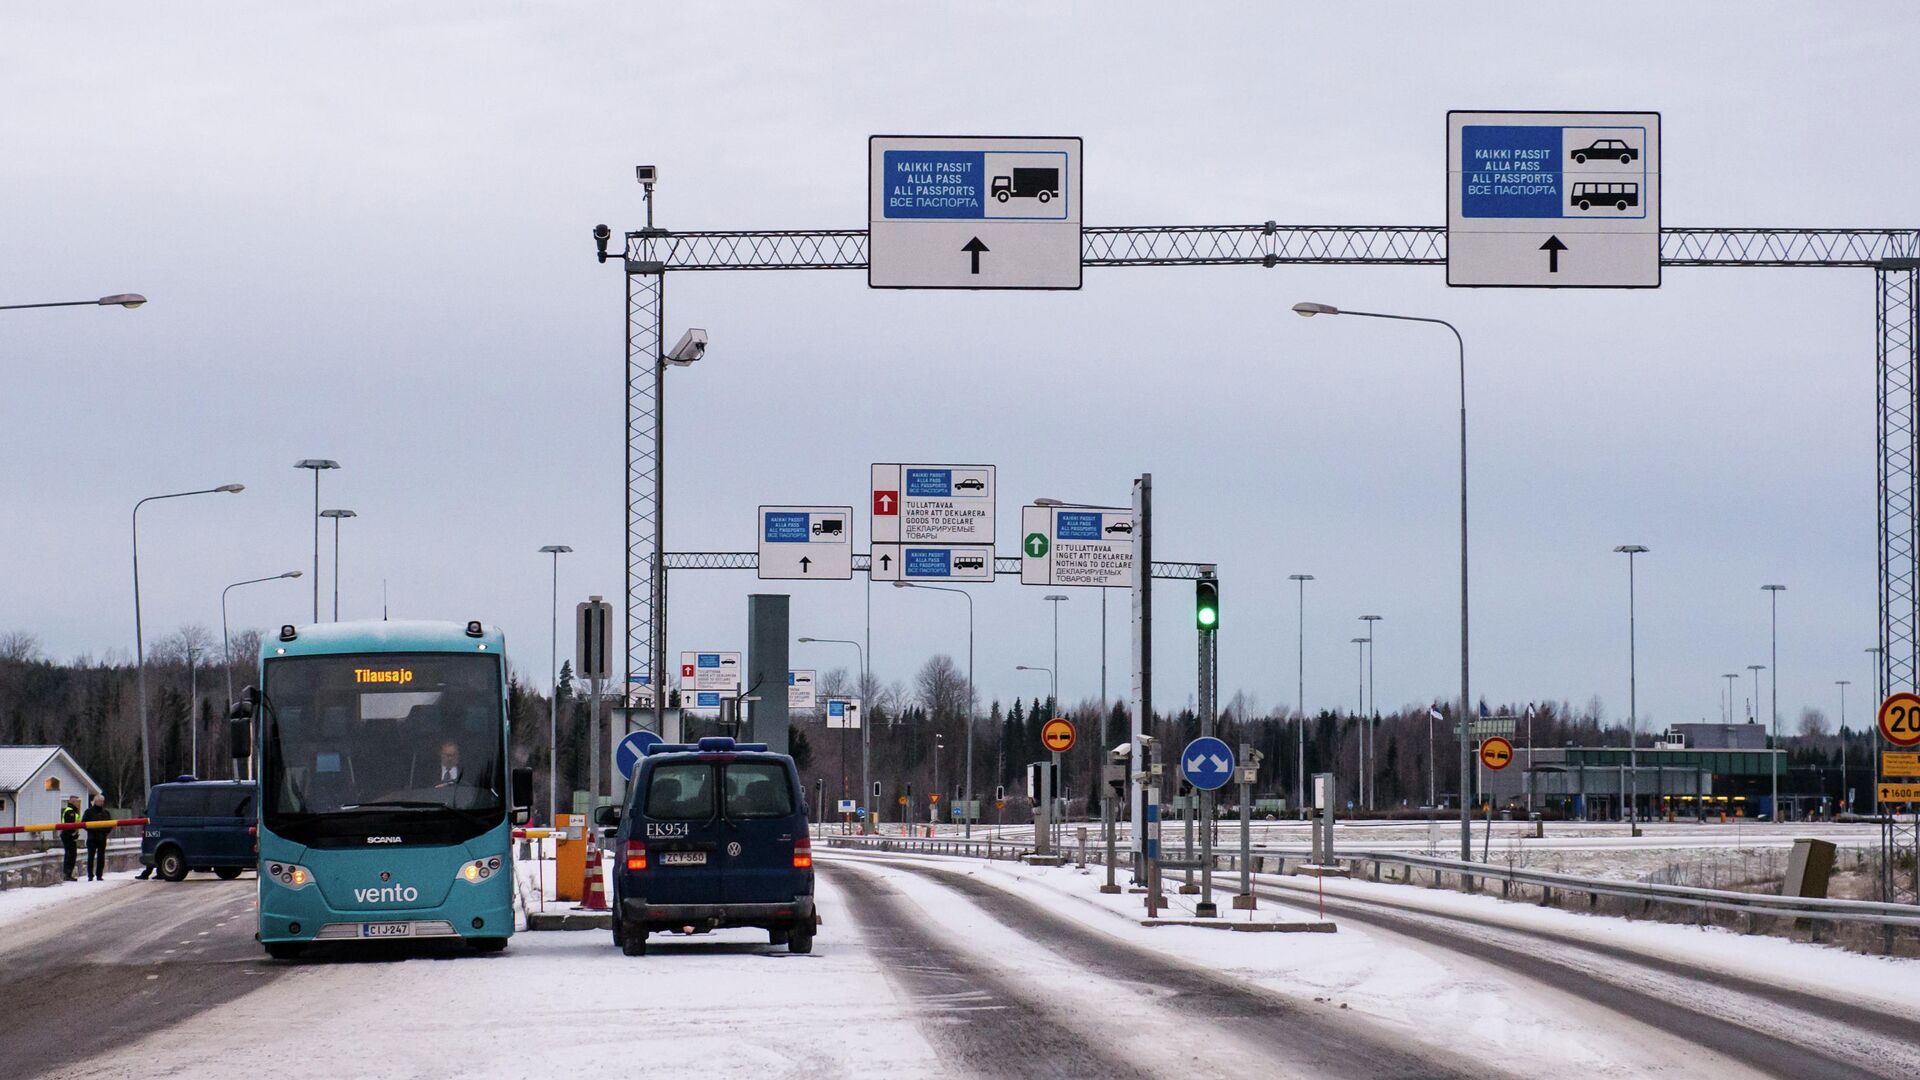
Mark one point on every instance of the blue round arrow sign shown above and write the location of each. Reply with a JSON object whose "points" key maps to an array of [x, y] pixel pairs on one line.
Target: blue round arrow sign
{"points": [[626, 756], [1207, 763]]}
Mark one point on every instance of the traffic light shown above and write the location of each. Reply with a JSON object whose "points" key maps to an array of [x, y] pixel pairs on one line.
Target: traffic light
{"points": [[1206, 604]]}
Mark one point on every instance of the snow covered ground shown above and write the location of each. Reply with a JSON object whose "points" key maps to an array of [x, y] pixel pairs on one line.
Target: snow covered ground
{"points": [[24, 903]]}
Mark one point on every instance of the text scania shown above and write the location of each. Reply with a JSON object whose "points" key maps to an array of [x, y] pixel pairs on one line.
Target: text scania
{"points": [[387, 894], [369, 675]]}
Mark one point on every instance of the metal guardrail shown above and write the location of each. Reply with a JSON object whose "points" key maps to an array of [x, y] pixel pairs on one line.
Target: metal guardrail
{"points": [[16, 869], [1872, 912]]}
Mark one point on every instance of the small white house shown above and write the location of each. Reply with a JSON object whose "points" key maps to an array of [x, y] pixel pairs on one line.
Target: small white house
{"points": [[34, 780]]}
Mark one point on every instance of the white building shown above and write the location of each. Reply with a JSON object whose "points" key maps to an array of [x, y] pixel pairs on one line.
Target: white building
{"points": [[33, 781]]}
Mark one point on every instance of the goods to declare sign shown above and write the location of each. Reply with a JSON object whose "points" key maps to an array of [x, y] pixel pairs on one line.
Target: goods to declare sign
{"points": [[933, 504], [1496, 753], [1076, 545], [803, 542], [973, 213], [1900, 719], [710, 671], [800, 689], [1553, 200], [1057, 734]]}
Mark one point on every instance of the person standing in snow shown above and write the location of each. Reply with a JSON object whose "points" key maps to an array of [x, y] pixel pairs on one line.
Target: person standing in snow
{"points": [[97, 839]]}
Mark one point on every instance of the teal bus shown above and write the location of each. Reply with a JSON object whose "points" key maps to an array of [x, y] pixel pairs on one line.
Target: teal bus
{"points": [[386, 804]]}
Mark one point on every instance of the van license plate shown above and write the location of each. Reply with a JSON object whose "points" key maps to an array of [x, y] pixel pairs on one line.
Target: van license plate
{"points": [[386, 929], [683, 858]]}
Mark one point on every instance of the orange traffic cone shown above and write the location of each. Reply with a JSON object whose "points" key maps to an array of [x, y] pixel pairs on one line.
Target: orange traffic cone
{"points": [[596, 891]]}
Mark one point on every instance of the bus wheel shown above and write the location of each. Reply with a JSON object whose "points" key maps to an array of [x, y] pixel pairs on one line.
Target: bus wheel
{"points": [[487, 944], [284, 950], [1621, 205], [634, 943], [226, 873], [1585, 205]]}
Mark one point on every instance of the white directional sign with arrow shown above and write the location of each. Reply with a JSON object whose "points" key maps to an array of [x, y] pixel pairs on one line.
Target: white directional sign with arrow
{"points": [[973, 213], [1553, 200], [806, 542], [1076, 545]]}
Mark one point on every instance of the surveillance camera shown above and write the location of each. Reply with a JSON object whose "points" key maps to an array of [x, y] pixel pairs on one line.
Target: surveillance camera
{"points": [[601, 234], [692, 346], [1146, 740], [646, 174], [1120, 754]]}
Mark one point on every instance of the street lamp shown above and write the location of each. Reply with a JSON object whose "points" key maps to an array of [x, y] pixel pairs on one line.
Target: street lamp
{"points": [[125, 300], [866, 740], [553, 690], [1373, 715], [969, 765], [1053, 704], [1300, 690], [1879, 695], [139, 640], [336, 515], [1843, 684], [1633, 697], [1308, 310], [226, 646], [933, 817], [1756, 669], [1773, 758], [1360, 668], [1730, 676], [318, 465]]}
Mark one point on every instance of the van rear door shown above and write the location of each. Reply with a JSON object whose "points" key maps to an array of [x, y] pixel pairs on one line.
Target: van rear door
{"points": [[762, 815], [680, 825]]}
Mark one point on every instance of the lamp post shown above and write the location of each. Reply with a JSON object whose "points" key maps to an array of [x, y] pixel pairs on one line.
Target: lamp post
{"points": [[139, 640], [1360, 659], [1308, 310], [1053, 703], [1373, 715], [1300, 690], [1843, 684], [969, 757], [1756, 669], [318, 465], [866, 741], [226, 645], [1730, 676], [1633, 697], [553, 689], [1773, 757], [1879, 695], [125, 300], [336, 515], [933, 818]]}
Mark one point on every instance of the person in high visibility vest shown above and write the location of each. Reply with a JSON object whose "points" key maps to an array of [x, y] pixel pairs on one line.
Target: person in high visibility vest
{"points": [[97, 839], [70, 838]]}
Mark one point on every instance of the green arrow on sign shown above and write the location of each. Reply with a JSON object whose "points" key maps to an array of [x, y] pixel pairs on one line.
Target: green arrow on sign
{"points": [[1036, 545]]}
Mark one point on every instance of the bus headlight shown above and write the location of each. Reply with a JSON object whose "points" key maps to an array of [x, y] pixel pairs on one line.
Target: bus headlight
{"points": [[479, 870], [290, 875]]}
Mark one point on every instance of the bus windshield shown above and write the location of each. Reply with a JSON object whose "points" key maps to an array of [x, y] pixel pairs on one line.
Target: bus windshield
{"points": [[402, 742]]}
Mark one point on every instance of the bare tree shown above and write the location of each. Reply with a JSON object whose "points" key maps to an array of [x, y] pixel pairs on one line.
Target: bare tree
{"points": [[1813, 722], [19, 646], [940, 688]]}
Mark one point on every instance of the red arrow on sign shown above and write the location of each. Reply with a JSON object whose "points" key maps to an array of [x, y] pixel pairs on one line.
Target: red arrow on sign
{"points": [[686, 671], [886, 503]]}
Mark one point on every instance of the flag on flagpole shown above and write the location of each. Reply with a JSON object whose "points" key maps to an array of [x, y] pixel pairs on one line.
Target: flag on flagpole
{"points": [[1434, 712]]}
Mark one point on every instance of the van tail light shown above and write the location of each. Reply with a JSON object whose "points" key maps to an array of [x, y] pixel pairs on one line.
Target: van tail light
{"points": [[803, 854], [636, 855]]}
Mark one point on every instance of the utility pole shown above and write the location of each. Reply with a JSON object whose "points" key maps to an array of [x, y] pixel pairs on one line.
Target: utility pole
{"points": [[1773, 756], [1300, 691]]}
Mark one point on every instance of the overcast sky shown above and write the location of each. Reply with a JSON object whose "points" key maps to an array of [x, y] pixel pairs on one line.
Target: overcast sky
{"points": [[365, 233]]}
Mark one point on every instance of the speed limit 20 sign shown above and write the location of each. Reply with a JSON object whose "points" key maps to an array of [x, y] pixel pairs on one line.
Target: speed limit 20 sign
{"points": [[1900, 719]]}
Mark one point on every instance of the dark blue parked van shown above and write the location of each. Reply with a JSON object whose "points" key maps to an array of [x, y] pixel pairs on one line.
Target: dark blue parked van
{"points": [[199, 825], [713, 835]]}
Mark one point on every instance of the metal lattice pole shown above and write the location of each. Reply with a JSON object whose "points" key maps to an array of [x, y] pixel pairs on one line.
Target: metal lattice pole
{"points": [[646, 614], [1899, 474]]}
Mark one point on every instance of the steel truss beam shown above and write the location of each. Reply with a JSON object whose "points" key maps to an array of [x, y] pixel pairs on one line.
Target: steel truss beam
{"points": [[1899, 469], [1271, 244], [1002, 564]]}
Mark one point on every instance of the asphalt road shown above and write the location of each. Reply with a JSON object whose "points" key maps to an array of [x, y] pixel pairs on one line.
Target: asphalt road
{"points": [[114, 965], [1773, 1029], [1311, 1041]]}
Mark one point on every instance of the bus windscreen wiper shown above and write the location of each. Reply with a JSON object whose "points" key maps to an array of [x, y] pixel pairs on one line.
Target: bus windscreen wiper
{"points": [[409, 804]]}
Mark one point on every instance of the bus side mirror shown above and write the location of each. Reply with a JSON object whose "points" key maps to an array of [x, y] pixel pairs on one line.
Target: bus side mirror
{"points": [[240, 710], [240, 738], [522, 783]]}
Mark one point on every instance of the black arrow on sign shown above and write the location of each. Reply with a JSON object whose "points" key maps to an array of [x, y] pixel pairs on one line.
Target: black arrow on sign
{"points": [[975, 247], [804, 563], [886, 561], [1553, 247]]}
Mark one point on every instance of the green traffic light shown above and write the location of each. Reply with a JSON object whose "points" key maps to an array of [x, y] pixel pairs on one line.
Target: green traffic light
{"points": [[1208, 616], [1206, 604]]}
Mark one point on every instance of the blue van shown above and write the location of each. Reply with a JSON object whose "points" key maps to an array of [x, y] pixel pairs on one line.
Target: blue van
{"points": [[199, 825], [713, 835]]}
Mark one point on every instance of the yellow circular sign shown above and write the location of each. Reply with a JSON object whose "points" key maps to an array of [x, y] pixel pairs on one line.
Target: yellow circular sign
{"points": [[902, 800], [1057, 735], [1496, 752], [1900, 719]]}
